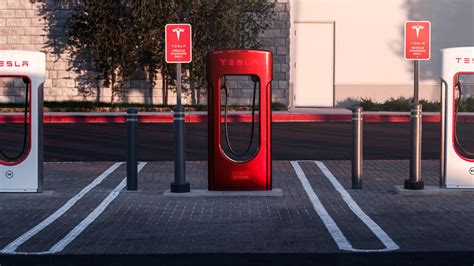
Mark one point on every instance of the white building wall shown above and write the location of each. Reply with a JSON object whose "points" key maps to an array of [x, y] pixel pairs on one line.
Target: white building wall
{"points": [[369, 59]]}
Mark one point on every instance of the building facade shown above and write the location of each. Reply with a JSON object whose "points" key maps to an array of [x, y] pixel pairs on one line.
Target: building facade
{"points": [[343, 49], [326, 52]]}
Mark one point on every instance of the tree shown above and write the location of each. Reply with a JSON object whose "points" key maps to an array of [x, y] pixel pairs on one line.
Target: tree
{"points": [[225, 24], [151, 18], [126, 36], [103, 29]]}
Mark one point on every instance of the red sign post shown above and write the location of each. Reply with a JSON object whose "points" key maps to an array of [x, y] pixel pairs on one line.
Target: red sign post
{"points": [[417, 40], [178, 50], [417, 47], [178, 43]]}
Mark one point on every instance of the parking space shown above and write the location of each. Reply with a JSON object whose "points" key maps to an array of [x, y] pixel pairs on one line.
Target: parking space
{"points": [[347, 223], [436, 222], [107, 219], [38, 220], [148, 222]]}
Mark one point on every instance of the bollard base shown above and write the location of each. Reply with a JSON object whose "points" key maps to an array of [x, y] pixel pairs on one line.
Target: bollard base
{"points": [[180, 188], [410, 184], [356, 186]]}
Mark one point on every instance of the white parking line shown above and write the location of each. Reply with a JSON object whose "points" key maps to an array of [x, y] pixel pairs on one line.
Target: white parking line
{"points": [[10, 248], [371, 224], [330, 224], [74, 233]]}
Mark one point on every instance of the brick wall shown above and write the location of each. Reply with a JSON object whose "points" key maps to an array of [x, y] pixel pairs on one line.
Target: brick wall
{"points": [[277, 40], [13, 90], [39, 26]]}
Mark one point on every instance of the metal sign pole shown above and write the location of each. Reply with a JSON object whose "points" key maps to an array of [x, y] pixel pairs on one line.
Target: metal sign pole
{"points": [[416, 68], [417, 45], [415, 181], [178, 84], [180, 185]]}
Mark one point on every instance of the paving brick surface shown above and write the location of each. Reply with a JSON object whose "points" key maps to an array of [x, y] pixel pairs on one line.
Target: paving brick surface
{"points": [[417, 223], [61, 227], [20, 212], [147, 222]]}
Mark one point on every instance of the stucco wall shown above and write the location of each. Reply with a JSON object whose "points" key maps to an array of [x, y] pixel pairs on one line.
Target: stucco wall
{"points": [[369, 58]]}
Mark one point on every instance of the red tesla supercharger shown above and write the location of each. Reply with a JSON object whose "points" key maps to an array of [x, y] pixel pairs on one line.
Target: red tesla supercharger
{"points": [[251, 167]]}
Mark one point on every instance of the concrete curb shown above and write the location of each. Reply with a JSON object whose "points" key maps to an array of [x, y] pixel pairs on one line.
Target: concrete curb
{"points": [[276, 192], [432, 190]]}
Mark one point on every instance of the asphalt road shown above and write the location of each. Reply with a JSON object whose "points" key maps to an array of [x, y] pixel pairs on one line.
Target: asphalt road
{"points": [[291, 141]]}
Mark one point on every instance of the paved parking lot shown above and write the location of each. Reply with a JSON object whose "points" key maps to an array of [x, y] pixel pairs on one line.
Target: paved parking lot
{"points": [[85, 210]]}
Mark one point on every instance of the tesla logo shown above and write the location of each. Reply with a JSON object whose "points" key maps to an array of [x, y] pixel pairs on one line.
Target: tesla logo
{"points": [[417, 28], [9, 174], [239, 62], [13, 63], [465, 60], [178, 32], [471, 171]]}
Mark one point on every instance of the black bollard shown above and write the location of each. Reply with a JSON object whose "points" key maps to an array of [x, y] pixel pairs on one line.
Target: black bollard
{"points": [[132, 168], [180, 185]]}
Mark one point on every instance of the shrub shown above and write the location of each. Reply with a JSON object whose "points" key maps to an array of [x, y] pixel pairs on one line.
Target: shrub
{"points": [[399, 104], [403, 104], [368, 105], [277, 106], [430, 106]]}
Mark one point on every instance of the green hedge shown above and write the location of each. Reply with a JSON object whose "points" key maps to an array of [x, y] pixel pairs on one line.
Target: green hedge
{"points": [[397, 105], [403, 105]]}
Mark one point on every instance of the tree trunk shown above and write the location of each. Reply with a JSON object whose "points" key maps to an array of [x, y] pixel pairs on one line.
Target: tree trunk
{"points": [[164, 86], [198, 96], [112, 85], [150, 89], [192, 85]]}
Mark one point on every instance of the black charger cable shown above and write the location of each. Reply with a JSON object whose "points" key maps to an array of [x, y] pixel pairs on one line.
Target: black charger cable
{"points": [[252, 130], [25, 127], [458, 103]]}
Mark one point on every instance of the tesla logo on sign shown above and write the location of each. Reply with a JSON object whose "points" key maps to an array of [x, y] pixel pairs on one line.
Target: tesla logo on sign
{"points": [[417, 28], [178, 32], [417, 40], [178, 43]]}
